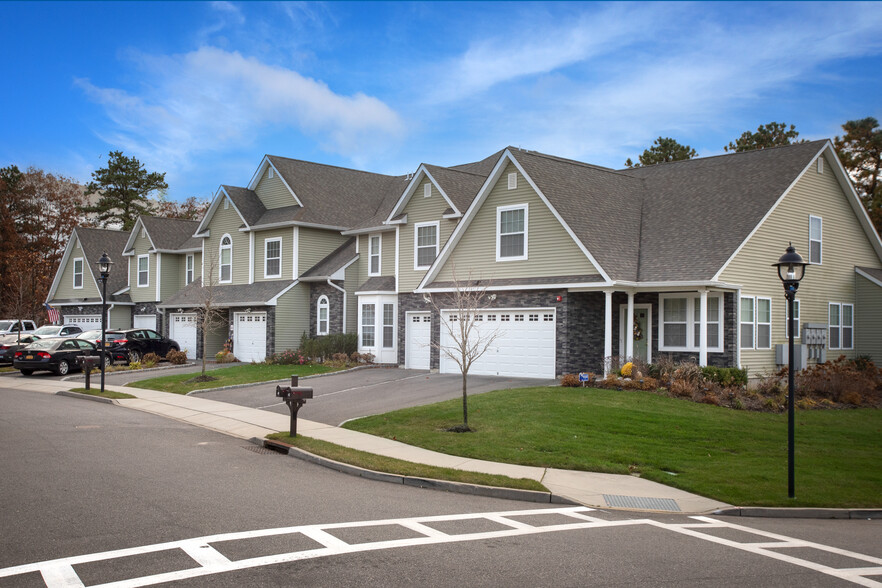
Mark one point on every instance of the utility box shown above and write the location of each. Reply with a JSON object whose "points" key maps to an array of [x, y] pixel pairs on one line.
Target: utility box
{"points": [[800, 356], [814, 336]]}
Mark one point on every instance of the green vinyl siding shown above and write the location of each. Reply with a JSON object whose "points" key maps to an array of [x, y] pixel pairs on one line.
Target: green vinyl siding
{"points": [[147, 293], [292, 317], [65, 289], [351, 285], [845, 245], [216, 338], [120, 318], [197, 268], [550, 249], [315, 245], [868, 319], [227, 222], [286, 235], [420, 209], [172, 274], [273, 192], [387, 256]]}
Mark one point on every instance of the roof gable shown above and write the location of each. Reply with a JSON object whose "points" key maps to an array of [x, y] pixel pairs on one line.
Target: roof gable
{"points": [[244, 201], [94, 243]]}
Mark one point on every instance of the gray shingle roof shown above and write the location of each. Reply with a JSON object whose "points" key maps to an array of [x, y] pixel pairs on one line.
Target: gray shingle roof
{"points": [[875, 272], [333, 262], [171, 233], [460, 186], [378, 284], [97, 241], [247, 202], [226, 295], [543, 281]]}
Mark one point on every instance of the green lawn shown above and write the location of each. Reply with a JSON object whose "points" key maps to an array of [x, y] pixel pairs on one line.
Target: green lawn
{"points": [[240, 374], [95, 391], [735, 456]]}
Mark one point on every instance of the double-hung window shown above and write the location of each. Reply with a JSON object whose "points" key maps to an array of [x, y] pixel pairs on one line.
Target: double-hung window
{"points": [[321, 323], [143, 270], [226, 259], [681, 322], [841, 326], [78, 273], [368, 320], [815, 239], [272, 261], [426, 244], [388, 326], [511, 232], [713, 322], [375, 251], [188, 277], [756, 322]]}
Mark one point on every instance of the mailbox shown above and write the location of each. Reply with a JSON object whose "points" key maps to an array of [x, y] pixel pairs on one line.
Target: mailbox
{"points": [[295, 397], [87, 362]]}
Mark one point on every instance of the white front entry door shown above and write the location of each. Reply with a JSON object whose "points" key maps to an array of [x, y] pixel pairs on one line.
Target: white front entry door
{"points": [[249, 336], [182, 328], [419, 337], [377, 327], [144, 321], [524, 347]]}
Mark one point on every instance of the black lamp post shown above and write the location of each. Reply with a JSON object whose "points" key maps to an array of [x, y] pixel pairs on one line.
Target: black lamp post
{"points": [[791, 269], [104, 272]]}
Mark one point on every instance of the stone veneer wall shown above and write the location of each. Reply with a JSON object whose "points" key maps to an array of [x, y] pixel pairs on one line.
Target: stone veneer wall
{"points": [[335, 307]]}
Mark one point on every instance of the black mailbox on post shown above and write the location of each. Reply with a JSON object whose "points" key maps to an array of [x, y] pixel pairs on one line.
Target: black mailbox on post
{"points": [[87, 362], [295, 397]]}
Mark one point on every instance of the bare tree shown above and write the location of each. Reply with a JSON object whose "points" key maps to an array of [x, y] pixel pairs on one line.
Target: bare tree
{"points": [[208, 316], [470, 336]]}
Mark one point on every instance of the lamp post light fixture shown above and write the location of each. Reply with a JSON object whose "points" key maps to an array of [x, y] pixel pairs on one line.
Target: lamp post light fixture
{"points": [[104, 265], [791, 270]]}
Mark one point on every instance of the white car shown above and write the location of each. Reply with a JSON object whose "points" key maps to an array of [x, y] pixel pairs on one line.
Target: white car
{"points": [[11, 326], [58, 331]]}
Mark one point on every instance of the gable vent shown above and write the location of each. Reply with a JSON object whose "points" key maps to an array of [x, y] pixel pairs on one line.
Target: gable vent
{"points": [[427, 190], [270, 173], [512, 181]]}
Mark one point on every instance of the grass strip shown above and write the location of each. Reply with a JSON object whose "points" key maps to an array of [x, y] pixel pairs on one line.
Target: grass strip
{"points": [[241, 374], [105, 394], [734, 456], [389, 465]]}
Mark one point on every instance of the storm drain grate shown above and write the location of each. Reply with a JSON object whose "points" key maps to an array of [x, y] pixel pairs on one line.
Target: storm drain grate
{"points": [[261, 450], [641, 502]]}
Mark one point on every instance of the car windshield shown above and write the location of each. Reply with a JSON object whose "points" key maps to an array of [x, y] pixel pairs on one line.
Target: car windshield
{"points": [[43, 344], [47, 331], [6, 325]]}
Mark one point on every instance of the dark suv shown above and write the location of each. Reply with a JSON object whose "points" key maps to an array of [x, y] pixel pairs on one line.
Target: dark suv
{"points": [[136, 343]]}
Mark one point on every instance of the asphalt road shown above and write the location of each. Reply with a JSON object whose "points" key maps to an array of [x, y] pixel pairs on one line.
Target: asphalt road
{"points": [[81, 479]]}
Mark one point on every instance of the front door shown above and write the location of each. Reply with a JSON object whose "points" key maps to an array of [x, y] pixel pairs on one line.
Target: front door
{"points": [[642, 332]]}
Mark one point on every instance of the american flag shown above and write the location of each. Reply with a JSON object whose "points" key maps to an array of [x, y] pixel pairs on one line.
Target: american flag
{"points": [[54, 316]]}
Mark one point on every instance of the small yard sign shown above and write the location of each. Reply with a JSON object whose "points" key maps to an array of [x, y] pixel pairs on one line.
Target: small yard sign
{"points": [[584, 377]]}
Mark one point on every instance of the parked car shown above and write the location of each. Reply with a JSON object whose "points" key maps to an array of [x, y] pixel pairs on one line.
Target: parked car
{"points": [[15, 325], [58, 331], [111, 338], [55, 355], [138, 342], [9, 344]]}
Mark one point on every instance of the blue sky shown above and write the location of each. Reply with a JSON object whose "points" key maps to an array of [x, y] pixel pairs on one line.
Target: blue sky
{"points": [[203, 90]]}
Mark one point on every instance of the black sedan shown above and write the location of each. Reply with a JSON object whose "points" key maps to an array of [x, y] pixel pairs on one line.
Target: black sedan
{"points": [[54, 355], [135, 343], [9, 344], [111, 338]]}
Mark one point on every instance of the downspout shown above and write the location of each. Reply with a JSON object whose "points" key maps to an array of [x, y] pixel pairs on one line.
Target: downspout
{"points": [[109, 310], [333, 285]]}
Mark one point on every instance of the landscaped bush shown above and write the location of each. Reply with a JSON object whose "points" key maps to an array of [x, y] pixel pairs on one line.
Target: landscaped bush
{"points": [[225, 356], [570, 381], [320, 348], [846, 381], [176, 357], [288, 357], [725, 376], [149, 360]]}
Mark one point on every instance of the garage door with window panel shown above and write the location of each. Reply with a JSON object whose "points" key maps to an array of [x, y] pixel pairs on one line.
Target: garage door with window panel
{"points": [[419, 338], [249, 336], [524, 347], [87, 322], [144, 321], [182, 328]]}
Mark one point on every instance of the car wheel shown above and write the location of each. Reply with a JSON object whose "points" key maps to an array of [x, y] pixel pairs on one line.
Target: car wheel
{"points": [[27, 372], [134, 356], [63, 367]]}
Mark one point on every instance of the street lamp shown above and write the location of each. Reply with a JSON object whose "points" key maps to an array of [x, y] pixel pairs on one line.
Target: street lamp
{"points": [[104, 272], [791, 269]]}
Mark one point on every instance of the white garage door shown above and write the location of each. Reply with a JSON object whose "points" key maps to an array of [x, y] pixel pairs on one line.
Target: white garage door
{"points": [[419, 333], [249, 336], [182, 328], [144, 321], [524, 346], [86, 322]]}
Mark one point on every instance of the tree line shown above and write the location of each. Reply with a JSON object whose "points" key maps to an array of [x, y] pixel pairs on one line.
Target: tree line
{"points": [[859, 150]]}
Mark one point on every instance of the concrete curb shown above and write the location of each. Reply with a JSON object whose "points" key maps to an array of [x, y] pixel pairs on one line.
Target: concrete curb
{"points": [[801, 513], [86, 397], [140, 371], [443, 485], [234, 386]]}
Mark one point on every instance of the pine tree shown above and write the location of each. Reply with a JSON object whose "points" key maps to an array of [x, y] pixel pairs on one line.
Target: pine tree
{"points": [[860, 151], [663, 150], [124, 186], [773, 134]]}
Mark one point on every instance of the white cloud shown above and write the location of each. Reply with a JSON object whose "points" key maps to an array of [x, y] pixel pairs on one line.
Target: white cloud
{"points": [[213, 100]]}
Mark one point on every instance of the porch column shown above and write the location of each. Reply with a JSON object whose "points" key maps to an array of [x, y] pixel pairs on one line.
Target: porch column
{"points": [[702, 329], [629, 329], [607, 332]]}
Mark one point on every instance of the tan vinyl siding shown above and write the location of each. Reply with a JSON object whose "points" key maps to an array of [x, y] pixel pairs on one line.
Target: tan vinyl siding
{"points": [[143, 293], [868, 319], [315, 245], [227, 222], [420, 209], [550, 249], [260, 253], [272, 191], [65, 288], [292, 317], [172, 276], [844, 246], [350, 285], [120, 317]]}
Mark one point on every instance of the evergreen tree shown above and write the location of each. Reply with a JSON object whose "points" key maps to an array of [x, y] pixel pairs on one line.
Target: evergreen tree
{"points": [[124, 187], [773, 134], [663, 150], [860, 151]]}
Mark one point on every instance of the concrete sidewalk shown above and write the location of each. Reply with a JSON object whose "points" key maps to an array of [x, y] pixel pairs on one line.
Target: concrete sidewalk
{"points": [[588, 488]]}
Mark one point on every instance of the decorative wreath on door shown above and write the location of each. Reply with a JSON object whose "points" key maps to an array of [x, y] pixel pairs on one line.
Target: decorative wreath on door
{"points": [[638, 332]]}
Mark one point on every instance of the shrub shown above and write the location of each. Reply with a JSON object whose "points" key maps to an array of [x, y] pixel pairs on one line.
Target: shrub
{"points": [[149, 360], [135, 365], [854, 382], [321, 348], [627, 369], [683, 388], [725, 376], [289, 357], [224, 356], [176, 357], [570, 381]]}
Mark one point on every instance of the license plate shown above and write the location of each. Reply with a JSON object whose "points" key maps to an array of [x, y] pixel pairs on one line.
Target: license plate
{"points": [[107, 343], [29, 357]]}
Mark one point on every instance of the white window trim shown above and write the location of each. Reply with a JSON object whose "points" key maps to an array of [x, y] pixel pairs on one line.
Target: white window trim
{"points": [[692, 299], [80, 273], [752, 343], [378, 254], [757, 322], [189, 269], [220, 258], [821, 241], [322, 303], [138, 271], [384, 325], [362, 324], [499, 210], [266, 258], [416, 248], [841, 326], [795, 319]]}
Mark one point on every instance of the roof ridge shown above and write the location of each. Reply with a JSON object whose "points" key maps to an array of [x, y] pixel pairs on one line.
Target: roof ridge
{"points": [[599, 168], [331, 166], [459, 171]]}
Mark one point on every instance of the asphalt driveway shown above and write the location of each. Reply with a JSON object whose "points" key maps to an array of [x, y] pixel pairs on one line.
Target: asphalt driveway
{"points": [[344, 396]]}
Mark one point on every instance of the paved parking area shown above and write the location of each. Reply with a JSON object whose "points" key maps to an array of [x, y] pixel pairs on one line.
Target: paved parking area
{"points": [[363, 392]]}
